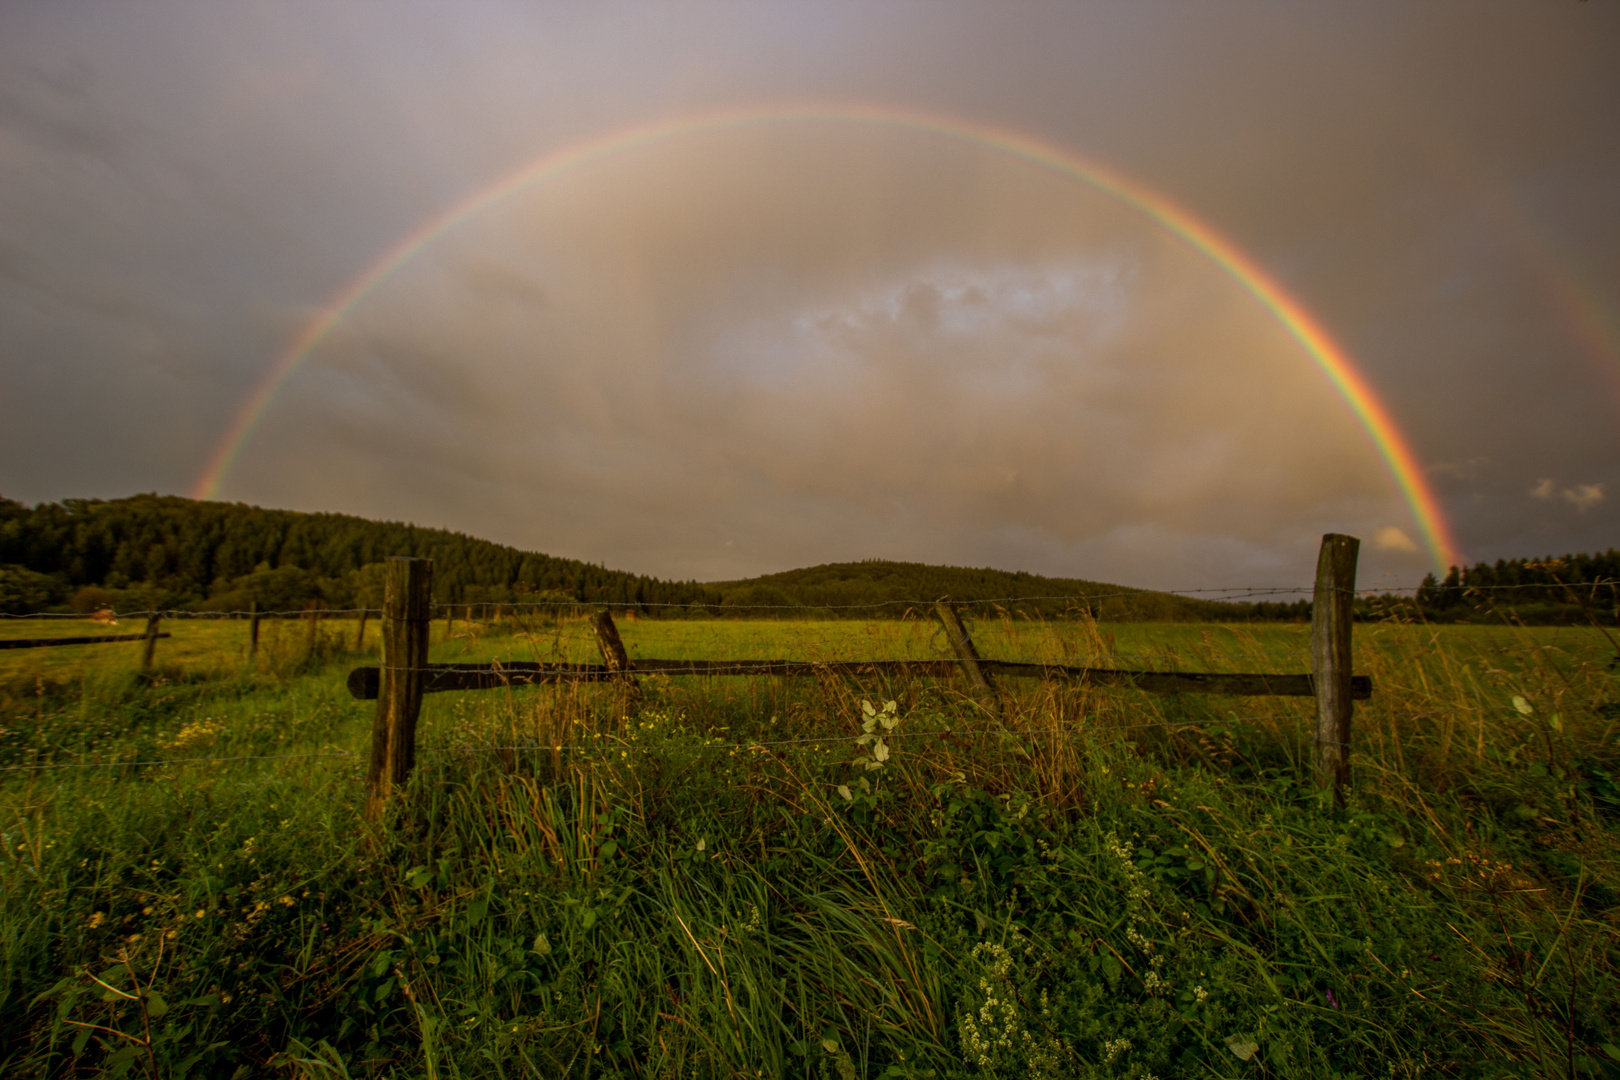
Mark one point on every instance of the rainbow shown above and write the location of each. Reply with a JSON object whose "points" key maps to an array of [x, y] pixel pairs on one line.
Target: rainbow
{"points": [[1323, 350], [1588, 315], [1582, 307]]}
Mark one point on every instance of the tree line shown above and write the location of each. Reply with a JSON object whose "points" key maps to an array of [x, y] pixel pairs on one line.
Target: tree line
{"points": [[156, 551], [1566, 589], [171, 552]]}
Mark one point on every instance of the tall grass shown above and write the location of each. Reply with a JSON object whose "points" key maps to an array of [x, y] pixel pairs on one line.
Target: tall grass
{"points": [[1103, 883]]}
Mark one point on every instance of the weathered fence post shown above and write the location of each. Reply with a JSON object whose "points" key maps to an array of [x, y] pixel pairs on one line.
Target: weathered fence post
{"points": [[253, 629], [149, 646], [984, 691], [613, 654], [1332, 611], [406, 623], [360, 638]]}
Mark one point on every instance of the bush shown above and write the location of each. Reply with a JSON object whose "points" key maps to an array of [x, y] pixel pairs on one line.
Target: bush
{"points": [[24, 591]]}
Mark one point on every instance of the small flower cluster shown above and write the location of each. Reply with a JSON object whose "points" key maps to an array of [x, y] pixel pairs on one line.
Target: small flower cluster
{"points": [[1136, 895], [1478, 872], [198, 732], [995, 1036]]}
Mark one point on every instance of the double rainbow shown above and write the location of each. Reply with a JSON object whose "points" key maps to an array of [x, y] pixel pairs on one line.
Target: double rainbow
{"points": [[1322, 349]]}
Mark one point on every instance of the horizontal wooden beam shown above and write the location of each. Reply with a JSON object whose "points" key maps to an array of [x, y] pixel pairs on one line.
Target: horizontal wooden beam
{"points": [[363, 682], [47, 642]]}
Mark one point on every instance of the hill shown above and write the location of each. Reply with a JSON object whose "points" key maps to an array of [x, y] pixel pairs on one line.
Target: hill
{"points": [[882, 588], [166, 551], [173, 552]]}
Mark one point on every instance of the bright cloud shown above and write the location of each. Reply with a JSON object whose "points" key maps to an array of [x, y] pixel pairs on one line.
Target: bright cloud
{"points": [[1390, 538], [1584, 496]]}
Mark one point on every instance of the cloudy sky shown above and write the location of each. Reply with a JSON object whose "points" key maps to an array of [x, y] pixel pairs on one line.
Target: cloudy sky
{"points": [[722, 289]]}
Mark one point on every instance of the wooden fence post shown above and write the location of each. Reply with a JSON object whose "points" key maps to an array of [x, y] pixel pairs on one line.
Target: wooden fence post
{"points": [[613, 654], [1332, 611], [406, 623], [149, 646], [253, 629], [360, 638], [984, 691]]}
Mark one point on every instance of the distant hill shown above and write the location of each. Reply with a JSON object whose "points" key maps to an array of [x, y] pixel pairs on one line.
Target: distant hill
{"points": [[887, 588], [166, 551]]}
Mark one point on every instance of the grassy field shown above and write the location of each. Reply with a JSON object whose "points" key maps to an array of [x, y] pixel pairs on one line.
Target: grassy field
{"points": [[724, 880]]}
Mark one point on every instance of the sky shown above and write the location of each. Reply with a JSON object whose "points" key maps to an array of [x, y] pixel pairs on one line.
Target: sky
{"points": [[1146, 293]]}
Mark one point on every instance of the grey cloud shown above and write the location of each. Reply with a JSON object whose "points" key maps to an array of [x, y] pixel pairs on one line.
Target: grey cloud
{"points": [[500, 281], [55, 111]]}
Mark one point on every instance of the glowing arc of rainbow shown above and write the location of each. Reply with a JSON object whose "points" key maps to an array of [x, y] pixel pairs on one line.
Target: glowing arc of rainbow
{"points": [[1318, 344]]}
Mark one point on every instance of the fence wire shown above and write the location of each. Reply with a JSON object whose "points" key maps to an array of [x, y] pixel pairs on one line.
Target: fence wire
{"points": [[451, 609]]}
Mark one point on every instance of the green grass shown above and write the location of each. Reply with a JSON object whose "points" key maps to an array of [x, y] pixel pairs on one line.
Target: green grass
{"points": [[1105, 884]]}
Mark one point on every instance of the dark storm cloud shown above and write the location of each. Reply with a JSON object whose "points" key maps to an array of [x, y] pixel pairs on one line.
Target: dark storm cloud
{"points": [[741, 354]]}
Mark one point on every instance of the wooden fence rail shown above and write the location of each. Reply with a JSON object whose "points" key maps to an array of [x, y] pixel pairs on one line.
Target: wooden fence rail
{"points": [[405, 675], [48, 642], [150, 636], [365, 683]]}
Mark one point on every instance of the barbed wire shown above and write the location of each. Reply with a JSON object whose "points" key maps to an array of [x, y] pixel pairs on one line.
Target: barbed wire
{"points": [[1221, 594]]}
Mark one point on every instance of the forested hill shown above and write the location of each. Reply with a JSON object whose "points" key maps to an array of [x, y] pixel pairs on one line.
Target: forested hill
{"points": [[888, 588], [165, 551], [175, 552]]}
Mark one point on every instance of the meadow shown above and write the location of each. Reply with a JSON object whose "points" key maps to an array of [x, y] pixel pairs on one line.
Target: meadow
{"points": [[767, 877]]}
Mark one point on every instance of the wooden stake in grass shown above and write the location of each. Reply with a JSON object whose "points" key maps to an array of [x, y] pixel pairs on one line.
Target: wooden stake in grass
{"points": [[613, 654], [406, 623], [1332, 611], [253, 629], [360, 638], [984, 691], [150, 646]]}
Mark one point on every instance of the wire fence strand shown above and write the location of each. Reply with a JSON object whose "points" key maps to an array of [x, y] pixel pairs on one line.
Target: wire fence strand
{"points": [[1219, 594]]}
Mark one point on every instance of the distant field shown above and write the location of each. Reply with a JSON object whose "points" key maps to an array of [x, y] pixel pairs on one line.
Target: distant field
{"points": [[214, 645], [1107, 883]]}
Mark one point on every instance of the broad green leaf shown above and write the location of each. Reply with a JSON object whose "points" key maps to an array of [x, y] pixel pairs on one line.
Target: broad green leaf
{"points": [[1243, 1048]]}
